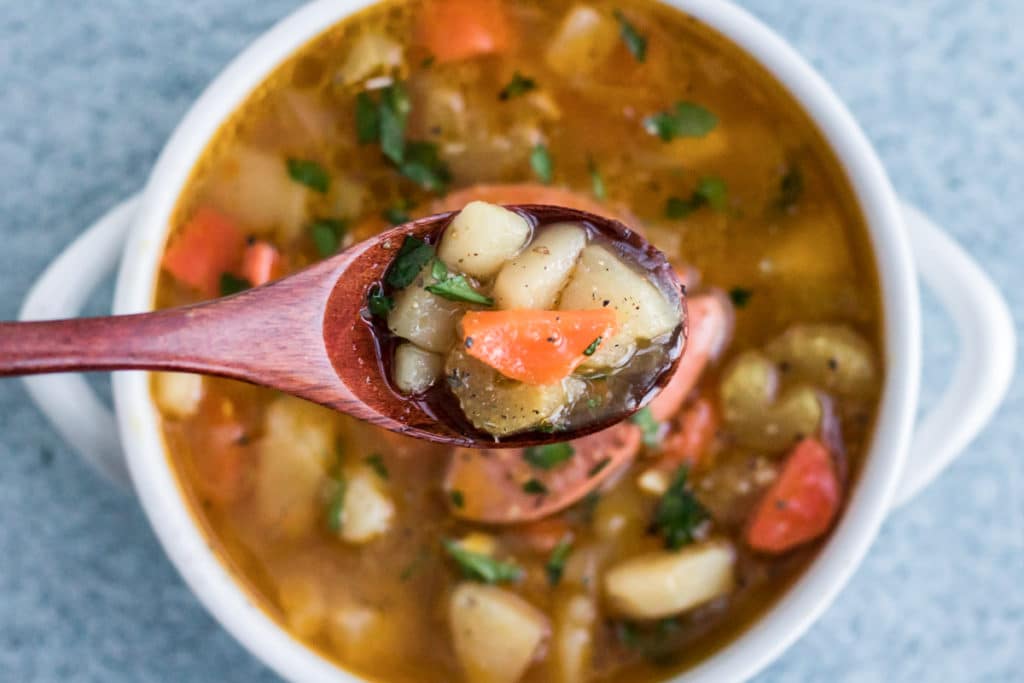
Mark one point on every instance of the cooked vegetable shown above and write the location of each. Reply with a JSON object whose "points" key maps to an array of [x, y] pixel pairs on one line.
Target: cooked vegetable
{"points": [[535, 277], [685, 120], [378, 303], [481, 566], [177, 394], [309, 173], [327, 234], [584, 40], [371, 54], [575, 621], [635, 42], [416, 370], [207, 247], [800, 505], [536, 347], [261, 263], [423, 318], [455, 287], [679, 515], [556, 563], [453, 30], [303, 603], [495, 632], [481, 238], [661, 584], [832, 357], [549, 455], [412, 256], [255, 185], [540, 161], [519, 85], [711, 191], [366, 511]]}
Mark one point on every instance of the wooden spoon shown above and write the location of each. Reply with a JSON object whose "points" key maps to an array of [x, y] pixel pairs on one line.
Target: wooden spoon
{"points": [[307, 334]]}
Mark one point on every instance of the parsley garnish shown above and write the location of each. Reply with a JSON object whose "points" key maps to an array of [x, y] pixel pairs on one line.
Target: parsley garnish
{"points": [[379, 304], [556, 563], [481, 567], [309, 173], [540, 161], [711, 191], [650, 427], [679, 514], [519, 85], [232, 284], [458, 500], [455, 287], [535, 486], [636, 42], [377, 463], [596, 180], [686, 120], [392, 114], [398, 212], [592, 348], [327, 234], [336, 506], [740, 297], [791, 188], [411, 258], [423, 166], [549, 455], [367, 121]]}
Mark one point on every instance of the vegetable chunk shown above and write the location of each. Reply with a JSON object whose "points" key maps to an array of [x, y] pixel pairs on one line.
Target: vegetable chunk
{"points": [[481, 238], [535, 277], [367, 512], [415, 369], [177, 394], [423, 318]]}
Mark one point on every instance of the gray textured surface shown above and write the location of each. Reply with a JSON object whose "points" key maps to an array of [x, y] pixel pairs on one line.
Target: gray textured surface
{"points": [[91, 90]]}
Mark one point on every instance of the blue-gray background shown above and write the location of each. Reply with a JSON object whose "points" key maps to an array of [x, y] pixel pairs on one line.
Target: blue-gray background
{"points": [[90, 90]]}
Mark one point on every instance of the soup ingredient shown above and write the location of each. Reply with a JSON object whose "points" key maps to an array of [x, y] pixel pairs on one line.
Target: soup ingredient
{"points": [[679, 515], [661, 584], [635, 42], [583, 42], [232, 284], [371, 54], [479, 565], [685, 120], [482, 237], [519, 85], [535, 347], [833, 357], [261, 263], [423, 318], [549, 455], [495, 632], [454, 30], [541, 163], [534, 278], [556, 563], [366, 511], [711, 191], [364, 635], [575, 620], [205, 248], [801, 504], [455, 287], [416, 370], [309, 173], [255, 185], [177, 394]]}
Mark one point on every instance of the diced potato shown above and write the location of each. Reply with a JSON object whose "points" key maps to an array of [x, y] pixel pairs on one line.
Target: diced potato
{"points": [[501, 406], [365, 636], [833, 357], [254, 187], [662, 584], [653, 481], [371, 54], [495, 632], [584, 565], [583, 42], [423, 318], [415, 369], [303, 603], [177, 394], [366, 512], [347, 197], [295, 453], [757, 414], [481, 238], [794, 252], [602, 279], [535, 277], [575, 619]]}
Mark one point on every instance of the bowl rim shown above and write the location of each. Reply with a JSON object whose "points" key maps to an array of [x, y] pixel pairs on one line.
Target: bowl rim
{"points": [[226, 598]]}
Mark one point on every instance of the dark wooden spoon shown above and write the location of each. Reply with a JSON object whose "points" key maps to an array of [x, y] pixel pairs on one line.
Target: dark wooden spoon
{"points": [[308, 334]]}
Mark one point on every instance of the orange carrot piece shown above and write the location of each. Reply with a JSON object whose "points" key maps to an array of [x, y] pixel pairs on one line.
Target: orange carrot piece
{"points": [[220, 463], [261, 263], [453, 30], [535, 347], [697, 428], [207, 247], [800, 505]]}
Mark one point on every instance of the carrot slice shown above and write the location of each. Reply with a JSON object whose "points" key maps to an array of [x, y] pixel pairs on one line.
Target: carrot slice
{"points": [[535, 347], [261, 263], [459, 29], [207, 247], [800, 505], [220, 465]]}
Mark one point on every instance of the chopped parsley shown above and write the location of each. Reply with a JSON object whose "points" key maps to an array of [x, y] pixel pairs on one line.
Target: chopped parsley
{"points": [[480, 567], [540, 161], [336, 506], [679, 514], [791, 188], [423, 165], [379, 304], [412, 256], [398, 212], [556, 563], [592, 348], [685, 120], [710, 191], [599, 467], [519, 85], [232, 284], [309, 173], [455, 287], [326, 234], [458, 500], [596, 180], [367, 121], [392, 115], [376, 462], [549, 455], [740, 297], [651, 428], [633, 39], [535, 486]]}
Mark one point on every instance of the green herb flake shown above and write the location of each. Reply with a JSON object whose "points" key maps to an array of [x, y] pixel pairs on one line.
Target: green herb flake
{"points": [[685, 120], [379, 304], [376, 462], [326, 234], [454, 287], [740, 297], [232, 284], [679, 514], [397, 213], [649, 426], [543, 167], [458, 500], [480, 567], [599, 467], [519, 85], [549, 455], [412, 256], [367, 119], [634, 40], [710, 191], [555, 565], [309, 173], [393, 113], [627, 634], [791, 188], [423, 165], [596, 181], [336, 506], [592, 348], [535, 487]]}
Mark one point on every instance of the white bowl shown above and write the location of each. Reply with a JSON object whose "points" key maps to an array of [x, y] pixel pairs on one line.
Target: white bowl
{"points": [[979, 383]]}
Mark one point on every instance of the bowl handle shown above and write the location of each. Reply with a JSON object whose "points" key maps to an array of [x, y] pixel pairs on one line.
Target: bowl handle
{"points": [[70, 404], [987, 353]]}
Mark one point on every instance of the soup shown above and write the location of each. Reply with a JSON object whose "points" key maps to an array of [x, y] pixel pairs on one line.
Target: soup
{"points": [[630, 554]]}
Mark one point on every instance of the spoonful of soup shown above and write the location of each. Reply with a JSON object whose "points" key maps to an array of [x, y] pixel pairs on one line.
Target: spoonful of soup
{"points": [[492, 326]]}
